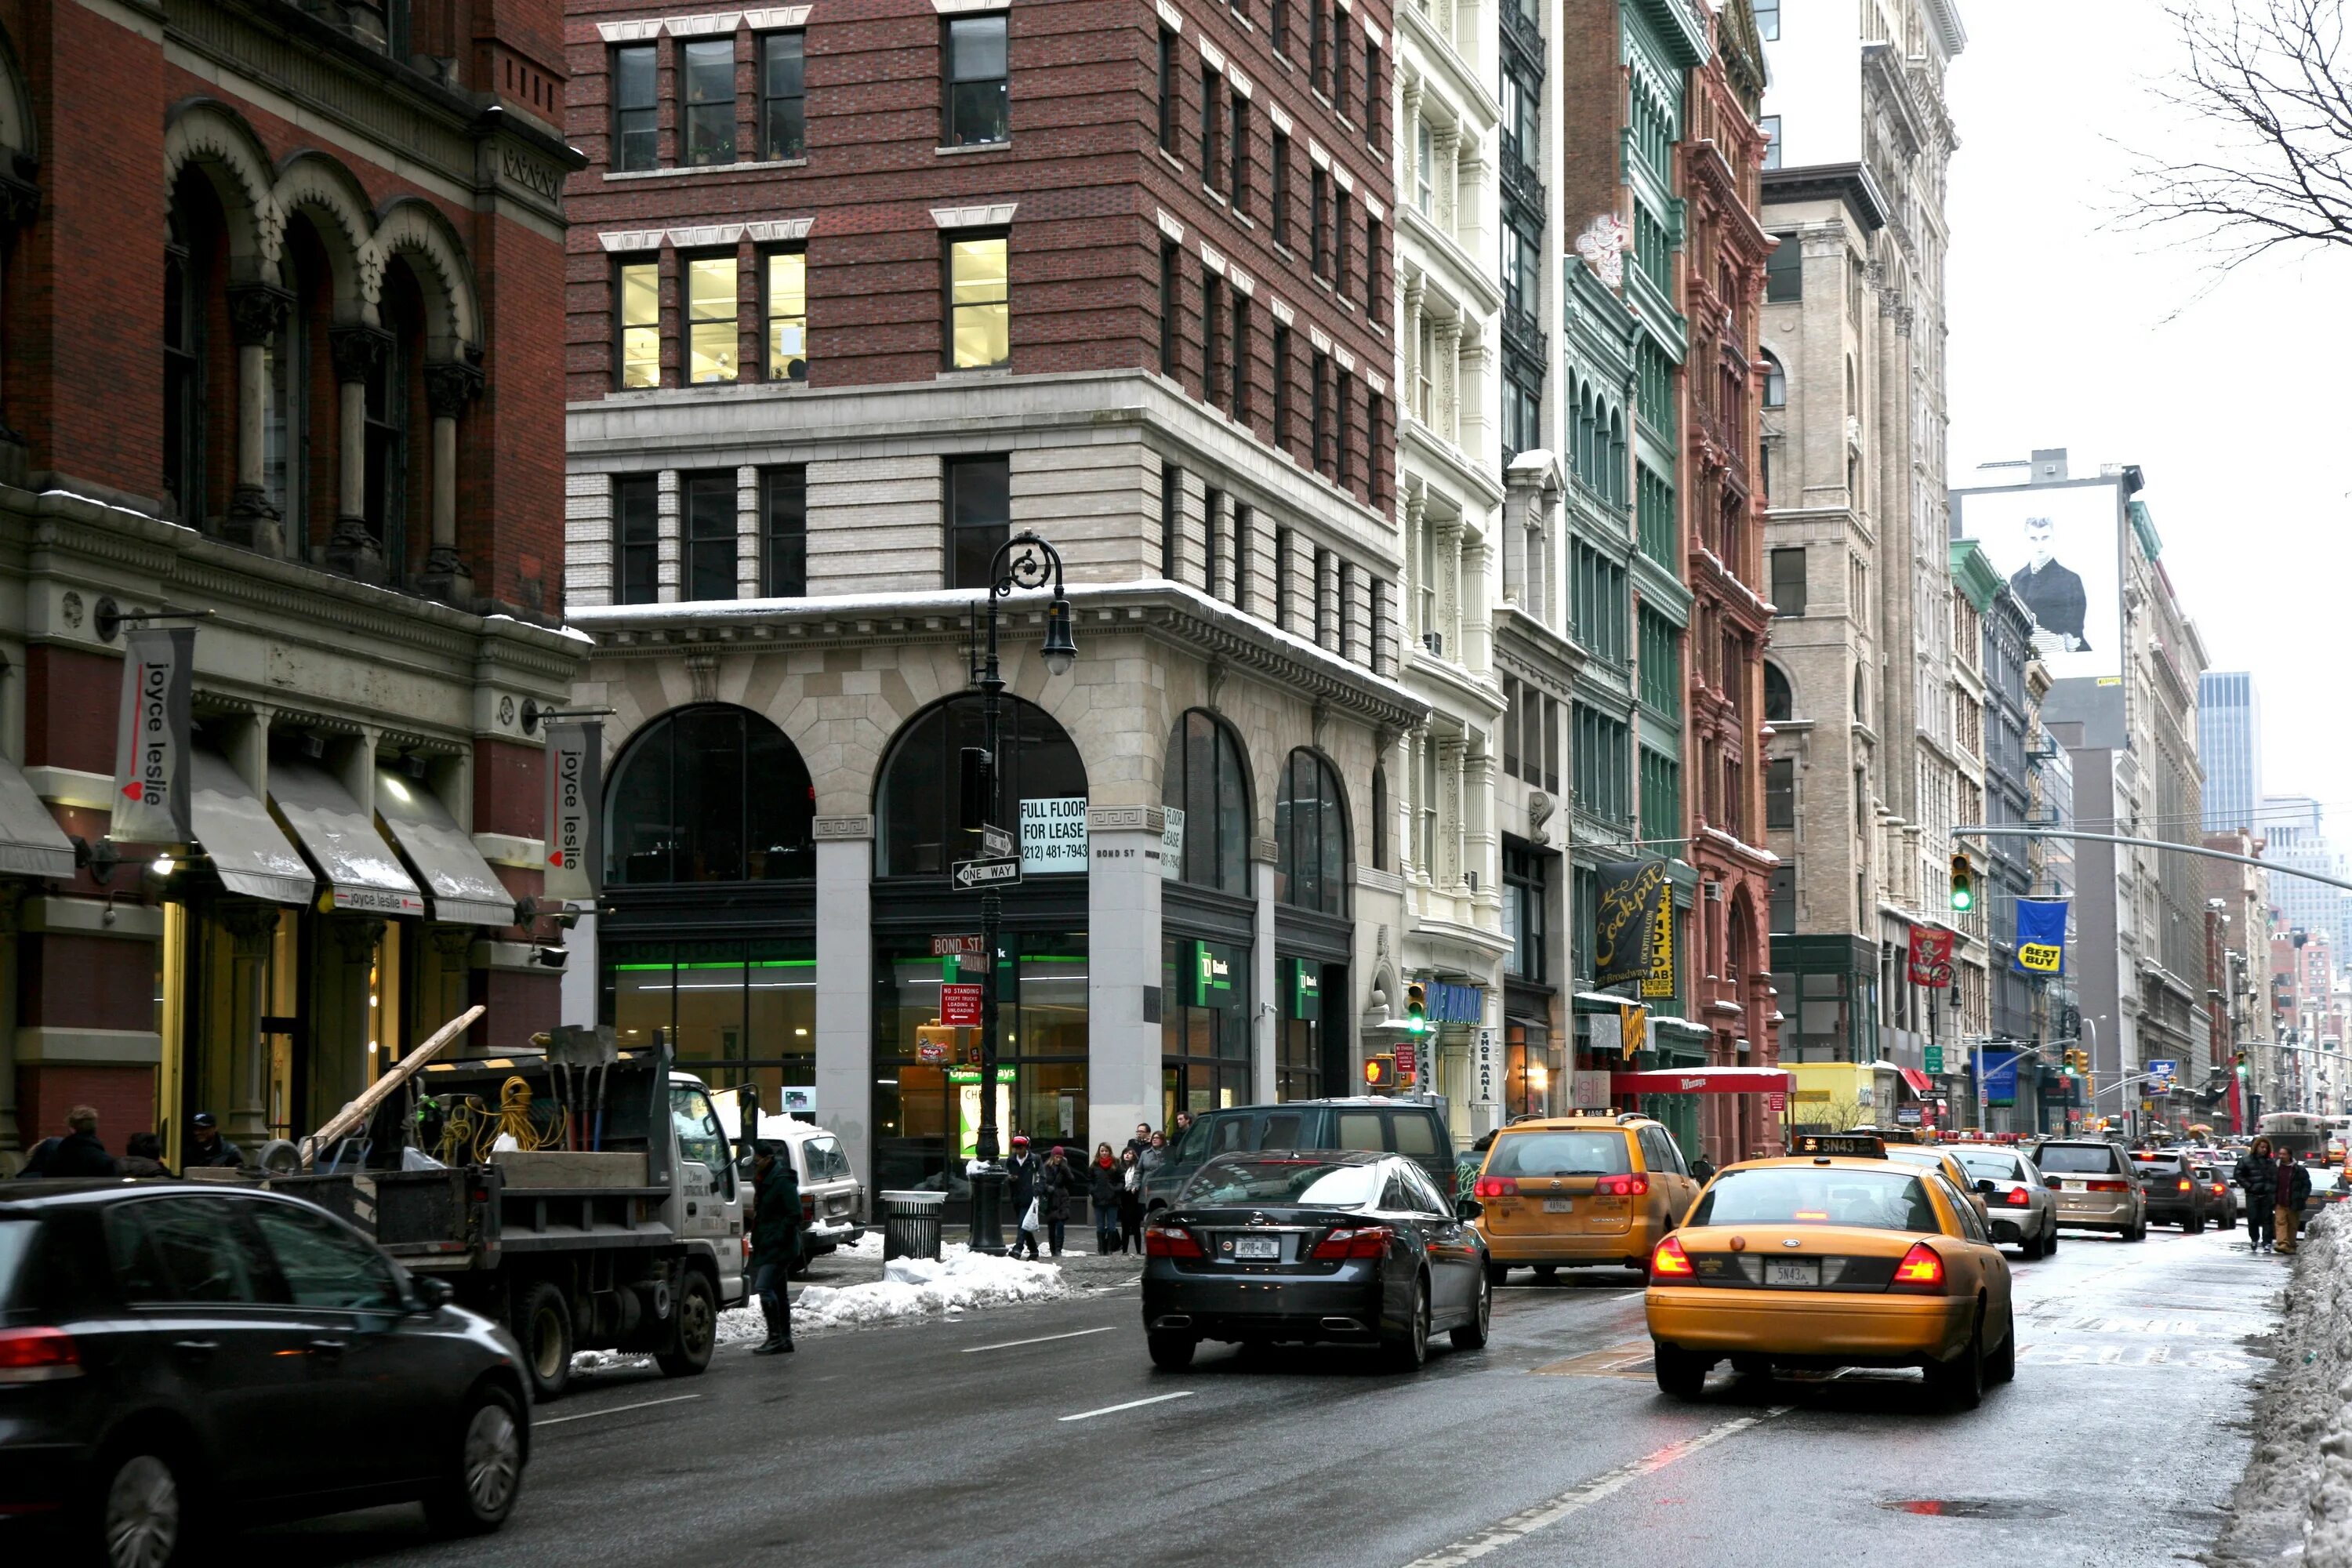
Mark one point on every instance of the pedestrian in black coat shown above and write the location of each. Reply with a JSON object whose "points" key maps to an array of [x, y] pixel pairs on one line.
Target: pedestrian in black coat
{"points": [[2294, 1193], [2257, 1174], [1131, 1200], [776, 1241], [1104, 1182], [76, 1153], [1057, 1183], [1024, 1185]]}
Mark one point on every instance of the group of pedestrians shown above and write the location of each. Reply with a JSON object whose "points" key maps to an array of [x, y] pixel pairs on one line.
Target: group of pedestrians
{"points": [[1039, 1191], [2277, 1187], [79, 1151]]}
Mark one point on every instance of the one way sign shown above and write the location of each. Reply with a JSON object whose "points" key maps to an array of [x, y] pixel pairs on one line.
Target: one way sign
{"points": [[986, 873]]}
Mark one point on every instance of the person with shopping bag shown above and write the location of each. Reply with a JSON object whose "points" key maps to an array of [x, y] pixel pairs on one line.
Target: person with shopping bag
{"points": [[1024, 1182]]}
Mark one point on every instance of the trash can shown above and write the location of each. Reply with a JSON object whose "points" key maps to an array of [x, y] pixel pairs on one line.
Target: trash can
{"points": [[910, 1224]]}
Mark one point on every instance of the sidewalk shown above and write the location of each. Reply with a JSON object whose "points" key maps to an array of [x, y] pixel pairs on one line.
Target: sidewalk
{"points": [[855, 1289]]}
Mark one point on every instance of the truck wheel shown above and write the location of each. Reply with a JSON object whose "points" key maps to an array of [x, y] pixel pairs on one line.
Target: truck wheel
{"points": [[483, 1473], [698, 1328], [542, 1327]]}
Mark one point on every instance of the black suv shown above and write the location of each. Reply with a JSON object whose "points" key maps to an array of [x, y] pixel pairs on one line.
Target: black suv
{"points": [[1414, 1128], [2175, 1195], [177, 1360]]}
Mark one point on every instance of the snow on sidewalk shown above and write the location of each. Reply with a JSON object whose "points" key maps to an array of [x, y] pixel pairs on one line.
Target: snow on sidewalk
{"points": [[2294, 1503], [911, 1288]]}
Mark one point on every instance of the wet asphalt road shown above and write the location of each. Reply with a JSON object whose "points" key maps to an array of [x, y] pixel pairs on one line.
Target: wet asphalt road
{"points": [[956, 1443]]}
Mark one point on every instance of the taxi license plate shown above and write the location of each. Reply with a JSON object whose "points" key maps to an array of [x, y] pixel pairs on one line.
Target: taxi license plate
{"points": [[1793, 1271], [1257, 1249], [1559, 1206]]}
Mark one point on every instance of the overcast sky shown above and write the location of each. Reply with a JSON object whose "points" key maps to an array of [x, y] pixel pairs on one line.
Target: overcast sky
{"points": [[2118, 346]]}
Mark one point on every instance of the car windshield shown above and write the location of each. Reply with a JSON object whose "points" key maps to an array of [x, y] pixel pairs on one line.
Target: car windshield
{"points": [[1307, 1183], [1927, 1159], [1988, 1165], [2158, 1161], [1559, 1154], [700, 1136], [2077, 1159], [1782, 1194]]}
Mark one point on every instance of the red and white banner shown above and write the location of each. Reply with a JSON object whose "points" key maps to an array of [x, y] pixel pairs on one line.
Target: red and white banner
{"points": [[1931, 958], [1703, 1080]]}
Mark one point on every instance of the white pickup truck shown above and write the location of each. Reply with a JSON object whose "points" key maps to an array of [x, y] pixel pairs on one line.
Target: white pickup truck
{"points": [[833, 1200]]}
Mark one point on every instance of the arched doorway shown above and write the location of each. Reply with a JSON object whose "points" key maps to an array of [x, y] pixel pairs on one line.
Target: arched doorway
{"points": [[926, 1114], [710, 926]]}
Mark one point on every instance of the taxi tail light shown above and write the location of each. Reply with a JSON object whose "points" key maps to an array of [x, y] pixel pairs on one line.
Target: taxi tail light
{"points": [[1171, 1241], [1496, 1187], [1669, 1261], [1623, 1187], [2019, 1198], [37, 1355], [2107, 1187], [1360, 1241], [1921, 1269]]}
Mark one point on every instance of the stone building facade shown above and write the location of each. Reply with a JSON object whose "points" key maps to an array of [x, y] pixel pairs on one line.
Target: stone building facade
{"points": [[311, 415]]}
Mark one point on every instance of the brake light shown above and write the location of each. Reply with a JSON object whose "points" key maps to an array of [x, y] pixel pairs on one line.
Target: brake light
{"points": [[1171, 1241], [37, 1355], [1364, 1241], [1669, 1261], [1922, 1269], [2184, 1187], [808, 1205], [2019, 1198], [1496, 1187], [2107, 1187], [2218, 1187], [1621, 1187]]}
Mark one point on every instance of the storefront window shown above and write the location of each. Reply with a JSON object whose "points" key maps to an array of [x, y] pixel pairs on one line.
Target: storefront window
{"points": [[1206, 792], [1523, 915], [1310, 836], [710, 794], [744, 1011], [1204, 1026], [1530, 1073], [1041, 1087], [919, 804], [1299, 1067]]}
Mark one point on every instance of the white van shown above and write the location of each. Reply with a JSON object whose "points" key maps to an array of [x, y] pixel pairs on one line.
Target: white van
{"points": [[833, 1200]]}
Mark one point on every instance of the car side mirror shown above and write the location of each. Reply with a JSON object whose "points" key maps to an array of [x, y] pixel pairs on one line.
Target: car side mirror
{"points": [[431, 1292], [1985, 1188], [1468, 1208]]}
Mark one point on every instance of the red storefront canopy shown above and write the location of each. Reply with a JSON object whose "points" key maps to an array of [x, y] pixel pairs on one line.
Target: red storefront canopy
{"points": [[1705, 1080], [1921, 1085]]}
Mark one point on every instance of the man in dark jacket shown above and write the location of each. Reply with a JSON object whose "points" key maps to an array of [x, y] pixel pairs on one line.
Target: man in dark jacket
{"points": [[77, 1154], [1024, 1177], [2294, 1192], [206, 1147], [2257, 1174], [142, 1155], [775, 1242], [1055, 1184]]}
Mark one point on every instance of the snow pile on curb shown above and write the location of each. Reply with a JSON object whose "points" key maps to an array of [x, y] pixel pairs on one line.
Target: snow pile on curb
{"points": [[2298, 1482], [911, 1288]]}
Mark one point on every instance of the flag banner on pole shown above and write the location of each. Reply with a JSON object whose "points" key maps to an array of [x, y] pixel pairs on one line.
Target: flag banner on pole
{"points": [[1931, 958], [575, 829], [154, 790], [2040, 937], [1626, 928]]}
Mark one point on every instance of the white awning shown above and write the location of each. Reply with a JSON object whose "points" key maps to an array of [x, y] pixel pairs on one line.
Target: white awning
{"points": [[246, 848], [461, 884], [31, 842], [361, 870]]}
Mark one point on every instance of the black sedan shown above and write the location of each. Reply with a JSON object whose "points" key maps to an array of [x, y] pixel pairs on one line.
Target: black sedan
{"points": [[1339, 1246], [176, 1360]]}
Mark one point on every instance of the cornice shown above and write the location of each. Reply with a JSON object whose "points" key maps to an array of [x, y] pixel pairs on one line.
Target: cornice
{"points": [[1852, 184]]}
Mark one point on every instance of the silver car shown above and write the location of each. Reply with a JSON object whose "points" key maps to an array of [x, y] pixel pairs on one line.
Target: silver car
{"points": [[2096, 1186], [2022, 1206]]}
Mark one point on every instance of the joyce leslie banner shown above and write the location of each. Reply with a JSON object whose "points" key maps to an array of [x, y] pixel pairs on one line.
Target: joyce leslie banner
{"points": [[155, 785]]}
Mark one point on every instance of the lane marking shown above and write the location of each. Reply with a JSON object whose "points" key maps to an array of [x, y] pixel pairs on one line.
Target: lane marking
{"points": [[1130, 1405], [1041, 1339], [614, 1410], [1550, 1511]]}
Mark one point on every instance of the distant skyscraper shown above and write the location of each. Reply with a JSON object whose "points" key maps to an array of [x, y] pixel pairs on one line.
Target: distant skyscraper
{"points": [[2230, 744], [2290, 824]]}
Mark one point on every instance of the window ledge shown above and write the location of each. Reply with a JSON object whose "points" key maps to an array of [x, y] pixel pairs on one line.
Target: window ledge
{"points": [[974, 147], [749, 166], [1173, 161], [975, 372]]}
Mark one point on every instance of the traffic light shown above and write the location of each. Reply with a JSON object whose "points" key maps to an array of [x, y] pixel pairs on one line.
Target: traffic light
{"points": [[1416, 1009], [1380, 1074], [936, 1035], [1963, 883]]}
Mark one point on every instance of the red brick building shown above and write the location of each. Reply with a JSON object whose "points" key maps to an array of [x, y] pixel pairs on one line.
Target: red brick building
{"points": [[281, 350], [1725, 248], [857, 290]]}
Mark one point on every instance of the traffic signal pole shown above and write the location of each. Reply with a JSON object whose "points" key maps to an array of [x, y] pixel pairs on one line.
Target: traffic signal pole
{"points": [[1979, 830]]}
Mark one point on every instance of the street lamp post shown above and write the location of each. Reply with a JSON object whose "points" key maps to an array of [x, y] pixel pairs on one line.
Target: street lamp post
{"points": [[1023, 562]]}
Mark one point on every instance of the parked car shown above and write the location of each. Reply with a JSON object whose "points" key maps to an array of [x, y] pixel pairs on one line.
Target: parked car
{"points": [[2095, 1185], [2021, 1207], [832, 1197], [1414, 1128], [1573, 1191], [2222, 1196], [180, 1360], [1344, 1245], [2175, 1197]]}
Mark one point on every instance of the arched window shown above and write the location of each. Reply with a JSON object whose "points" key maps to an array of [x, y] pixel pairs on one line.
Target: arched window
{"points": [[1776, 381], [1379, 817], [1204, 779], [1310, 836], [1860, 707], [1780, 702], [919, 807], [709, 794], [1615, 487]]}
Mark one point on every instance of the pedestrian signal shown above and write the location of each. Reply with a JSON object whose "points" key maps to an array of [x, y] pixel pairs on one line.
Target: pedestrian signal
{"points": [[1381, 1073]]}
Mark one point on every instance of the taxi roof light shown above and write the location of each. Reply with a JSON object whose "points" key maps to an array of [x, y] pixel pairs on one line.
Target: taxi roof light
{"points": [[1921, 1269], [1668, 1261]]}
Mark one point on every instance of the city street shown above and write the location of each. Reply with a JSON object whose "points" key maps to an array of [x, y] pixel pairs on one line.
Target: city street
{"points": [[1042, 1433]]}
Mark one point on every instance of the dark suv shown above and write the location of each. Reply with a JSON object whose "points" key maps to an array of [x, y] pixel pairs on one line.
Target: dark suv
{"points": [[2175, 1195], [179, 1361], [1414, 1128]]}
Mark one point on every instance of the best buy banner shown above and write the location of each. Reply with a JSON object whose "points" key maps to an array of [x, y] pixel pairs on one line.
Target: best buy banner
{"points": [[2040, 937]]}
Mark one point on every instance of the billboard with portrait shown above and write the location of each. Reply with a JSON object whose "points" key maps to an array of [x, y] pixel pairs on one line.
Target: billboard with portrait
{"points": [[2059, 547]]}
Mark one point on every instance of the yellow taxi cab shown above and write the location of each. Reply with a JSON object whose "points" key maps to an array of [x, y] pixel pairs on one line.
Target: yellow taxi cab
{"points": [[1565, 1192], [1834, 1256]]}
